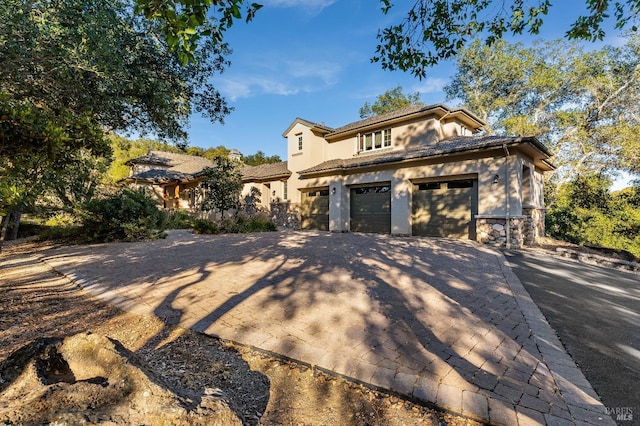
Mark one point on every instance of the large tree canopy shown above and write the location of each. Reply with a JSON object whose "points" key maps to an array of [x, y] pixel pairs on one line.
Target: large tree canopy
{"points": [[584, 105], [389, 101], [433, 30], [96, 59], [186, 22], [72, 70]]}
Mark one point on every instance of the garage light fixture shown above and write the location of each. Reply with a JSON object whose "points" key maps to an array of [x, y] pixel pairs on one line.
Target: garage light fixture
{"points": [[496, 179], [333, 190]]}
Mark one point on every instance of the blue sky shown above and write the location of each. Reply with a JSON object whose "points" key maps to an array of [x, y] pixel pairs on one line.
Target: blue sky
{"points": [[311, 59]]}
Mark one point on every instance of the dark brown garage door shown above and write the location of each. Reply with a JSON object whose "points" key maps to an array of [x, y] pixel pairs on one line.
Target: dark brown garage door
{"points": [[371, 209], [445, 209], [315, 209]]}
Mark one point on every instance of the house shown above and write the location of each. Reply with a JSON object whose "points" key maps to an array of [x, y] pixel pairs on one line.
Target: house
{"points": [[421, 170], [173, 177]]}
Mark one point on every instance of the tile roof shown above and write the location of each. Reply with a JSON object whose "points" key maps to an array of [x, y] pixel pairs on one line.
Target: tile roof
{"points": [[177, 163], [266, 171], [399, 113], [449, 146]]}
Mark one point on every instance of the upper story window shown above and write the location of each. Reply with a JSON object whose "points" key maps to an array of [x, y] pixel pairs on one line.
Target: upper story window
{"points": [[374, 140], [300, 143]]}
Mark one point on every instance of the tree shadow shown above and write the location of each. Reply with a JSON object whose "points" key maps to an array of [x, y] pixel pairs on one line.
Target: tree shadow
{"points": [[398, 313]]}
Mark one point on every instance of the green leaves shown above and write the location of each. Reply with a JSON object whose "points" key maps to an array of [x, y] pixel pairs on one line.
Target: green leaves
{"points": [[389, 101], [434, 30], [583, 105], [222, 185], [587, 213], [187, 23]]}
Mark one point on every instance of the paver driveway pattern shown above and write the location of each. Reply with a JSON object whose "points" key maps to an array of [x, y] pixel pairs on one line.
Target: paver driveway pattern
{"points": [[596, 312], [438, 320]]}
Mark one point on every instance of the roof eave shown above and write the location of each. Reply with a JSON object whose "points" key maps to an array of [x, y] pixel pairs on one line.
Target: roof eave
{"points": [[440, 110]]}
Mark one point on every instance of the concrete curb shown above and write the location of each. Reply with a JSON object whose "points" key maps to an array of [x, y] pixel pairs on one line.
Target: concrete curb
{"points": [[594, 259]]}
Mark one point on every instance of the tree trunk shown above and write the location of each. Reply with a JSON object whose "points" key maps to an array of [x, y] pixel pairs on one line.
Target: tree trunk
{"points": [[4, 223], [14, 221]]}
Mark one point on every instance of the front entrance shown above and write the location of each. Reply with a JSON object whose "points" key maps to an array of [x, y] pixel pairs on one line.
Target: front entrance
{"points": [[371, 209]]}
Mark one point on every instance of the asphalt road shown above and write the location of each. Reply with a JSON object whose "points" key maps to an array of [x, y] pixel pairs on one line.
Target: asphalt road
{"points": [[596, 313]]}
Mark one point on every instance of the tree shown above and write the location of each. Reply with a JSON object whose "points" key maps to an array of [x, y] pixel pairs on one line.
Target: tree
{"points": [[260, 158], [434, 30], [391, 100], [587, 213], [221, 185], [582, 105], [72, 70], [186, 22]]}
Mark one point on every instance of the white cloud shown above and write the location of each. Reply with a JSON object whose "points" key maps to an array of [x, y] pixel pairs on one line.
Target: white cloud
{"points": [[310, 4], [289, 77], [430, 85]]}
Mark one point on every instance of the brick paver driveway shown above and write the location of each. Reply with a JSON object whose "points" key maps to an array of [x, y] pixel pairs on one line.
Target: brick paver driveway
{"points": [[438, 320]]}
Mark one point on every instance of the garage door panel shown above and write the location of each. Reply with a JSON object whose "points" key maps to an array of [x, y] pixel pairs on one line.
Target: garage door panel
{"points": [[445, 209], [371, 209], [314, 212]]}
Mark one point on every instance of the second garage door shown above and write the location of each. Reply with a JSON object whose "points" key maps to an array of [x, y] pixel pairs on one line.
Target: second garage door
{"points": [[445, 208], [371, 209]]}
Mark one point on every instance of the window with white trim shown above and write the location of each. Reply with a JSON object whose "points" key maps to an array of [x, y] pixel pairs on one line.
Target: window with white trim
{"points": [[374, 140], [300, 143]]}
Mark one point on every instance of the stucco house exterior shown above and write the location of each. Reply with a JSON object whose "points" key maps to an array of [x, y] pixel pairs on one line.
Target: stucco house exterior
{"points": [[172, 177], [421, 170]]}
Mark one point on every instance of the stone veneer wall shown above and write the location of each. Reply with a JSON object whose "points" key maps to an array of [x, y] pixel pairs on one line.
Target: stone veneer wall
{"points": [[285, 214], [525, 230]]}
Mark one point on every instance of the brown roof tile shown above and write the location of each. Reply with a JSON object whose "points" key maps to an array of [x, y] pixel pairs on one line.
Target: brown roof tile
{"points": [[454, 145], [270, 171]]}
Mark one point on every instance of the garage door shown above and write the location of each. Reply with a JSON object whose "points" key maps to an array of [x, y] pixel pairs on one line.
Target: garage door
{"points": [[314, 213], [371, 209], [445, 209]]}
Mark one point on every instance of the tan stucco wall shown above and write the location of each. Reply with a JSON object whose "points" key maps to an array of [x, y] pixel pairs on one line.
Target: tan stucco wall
{"points": [[492, 200]]}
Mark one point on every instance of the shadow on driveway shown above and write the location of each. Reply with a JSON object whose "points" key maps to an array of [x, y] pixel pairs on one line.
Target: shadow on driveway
{"points": [[596, 313]]}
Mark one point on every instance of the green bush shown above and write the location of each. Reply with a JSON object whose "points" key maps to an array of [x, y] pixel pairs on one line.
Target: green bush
{"points": [[259, 224], [129, 215], [239, 224], [61, 226], [180, 219], [204, 226]]}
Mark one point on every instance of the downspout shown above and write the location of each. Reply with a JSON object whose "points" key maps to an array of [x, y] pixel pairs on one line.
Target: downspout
{"points": [[506, 190]]}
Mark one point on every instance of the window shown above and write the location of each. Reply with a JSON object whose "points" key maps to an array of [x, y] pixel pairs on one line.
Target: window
{"points": [[372, 189], [375, 140], [429, 186], [284, 189], [460, 184], [387, 137], [300, 143]]}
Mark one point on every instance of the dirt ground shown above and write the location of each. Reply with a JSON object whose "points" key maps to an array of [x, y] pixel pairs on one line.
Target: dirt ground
{"points": [[263, 389]]}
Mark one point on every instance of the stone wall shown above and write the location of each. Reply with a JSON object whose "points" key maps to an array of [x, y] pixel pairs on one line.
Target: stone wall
{"points": [[285, 214], [524, 230]]}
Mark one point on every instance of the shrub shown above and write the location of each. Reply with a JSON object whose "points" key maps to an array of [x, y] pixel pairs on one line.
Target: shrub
{"points": [[61, 226], [129, 215], [260, 224], [244, 224], [180, 219], [205, 226]]}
